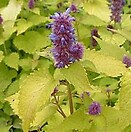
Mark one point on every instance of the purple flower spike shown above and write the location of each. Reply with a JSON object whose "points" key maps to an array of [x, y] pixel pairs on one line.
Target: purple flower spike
{"points": [[1, 20], [127, 60], [66, 50], [116, 10], [31, 4], [94, 109]]}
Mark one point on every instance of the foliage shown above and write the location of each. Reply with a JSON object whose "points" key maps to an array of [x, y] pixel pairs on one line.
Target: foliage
{"points": [[35, 95]]}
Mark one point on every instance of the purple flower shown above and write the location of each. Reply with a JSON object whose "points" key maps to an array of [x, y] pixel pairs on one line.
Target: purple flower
{"points": [[116, 10], [73, 8], [127, 60], [66, 50], [1, 20], [94, 108], [31, 4], [94, 32]]}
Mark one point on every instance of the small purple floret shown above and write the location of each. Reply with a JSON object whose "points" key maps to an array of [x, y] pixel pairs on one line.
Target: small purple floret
{"points": [[85, 93], [127, 60], [73, 8], [54, 91], [31, 4], [94, 108]]}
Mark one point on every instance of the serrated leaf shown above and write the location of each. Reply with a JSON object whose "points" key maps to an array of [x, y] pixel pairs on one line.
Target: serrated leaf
{"points": [[12, 89], [13, 64], [98, 8], [125, 100], [45, 113], [34, 93], [107, 36], [23, 25], [125, 33], [31, 42], [9, 14], [78, 120], [6, 76], [13, 100], [12, 10], [109, 114], [91, 20], [105, 64], [76, 75], [109, 48]]}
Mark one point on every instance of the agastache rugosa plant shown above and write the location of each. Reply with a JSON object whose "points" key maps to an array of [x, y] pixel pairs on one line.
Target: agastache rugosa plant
{"points": [[116, 10], [127, 60], [66, 49]]}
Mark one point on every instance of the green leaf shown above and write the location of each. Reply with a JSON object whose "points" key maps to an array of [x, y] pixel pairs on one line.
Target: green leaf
{"points": [[119, 52], [78, 120], [13, 64], [126, 22], [98, 8], [112, 124], [11, 11], [109, 37], [34, 93], [1, 56], [105, 64], [9, 14], [6, 76], [125, 33], [124, 100], [91, 20], [12, 89], [76, 75], [31, 42], [23, 25], [13, 100], [45, 113]]}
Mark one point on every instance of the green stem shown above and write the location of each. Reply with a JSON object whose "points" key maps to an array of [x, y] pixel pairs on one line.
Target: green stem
{"points": [[59, 108], [5, 49], [70, 99]]}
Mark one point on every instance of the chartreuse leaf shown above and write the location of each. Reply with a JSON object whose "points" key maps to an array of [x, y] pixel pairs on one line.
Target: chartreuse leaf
{"points": [[98, 8], [23, 24], [79, 120], [31, 42], [112, 117], [126, 22], [76, 75], [119, 52], [89, 20], [13, 100], [6, 76], [105, 64], [125, 99], [43, 115], [109, 37], [12, 60], [9, 14], [34, 93], [125, 33]]}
